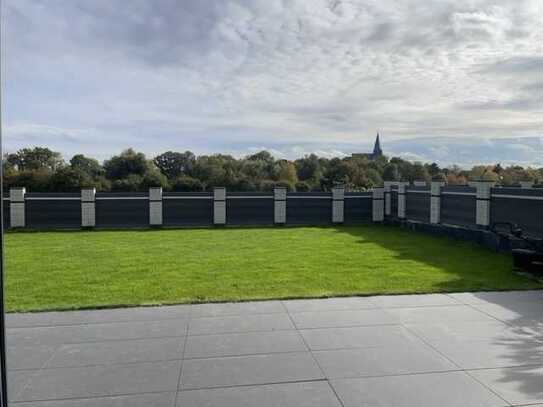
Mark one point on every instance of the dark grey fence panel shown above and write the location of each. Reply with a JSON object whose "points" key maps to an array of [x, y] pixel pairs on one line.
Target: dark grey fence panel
{"points": [[358, 207], [249, 208], [187, 209], [116, 210], [49, 210], [394, 202], [418, 204], [458, 205], [6, 209], [521, 206], [309, 208]]}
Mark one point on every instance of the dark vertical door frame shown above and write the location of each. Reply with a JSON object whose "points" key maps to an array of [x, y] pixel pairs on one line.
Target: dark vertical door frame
{"points": [[3, 371]]}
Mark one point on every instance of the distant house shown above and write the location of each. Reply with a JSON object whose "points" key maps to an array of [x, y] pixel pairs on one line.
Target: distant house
{"points": [[377, 152]]}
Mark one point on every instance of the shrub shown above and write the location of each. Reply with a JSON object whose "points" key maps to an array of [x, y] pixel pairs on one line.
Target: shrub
{"points": [[187, 184]]}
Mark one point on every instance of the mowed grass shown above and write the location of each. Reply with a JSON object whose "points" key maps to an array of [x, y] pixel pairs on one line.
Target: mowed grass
{"points": [[69, 270]]}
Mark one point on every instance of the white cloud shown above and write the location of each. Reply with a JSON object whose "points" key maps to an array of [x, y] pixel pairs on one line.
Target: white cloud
{"points": [[228, 75]]}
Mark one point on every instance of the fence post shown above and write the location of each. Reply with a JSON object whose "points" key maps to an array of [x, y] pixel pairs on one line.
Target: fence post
{"points": [[219, 206], [17, 207], [279, 205], [388, 201], [483, 202], [155, 206], [378, 204], [435, 201], [338, 204], [88, 207], [402, 199]]}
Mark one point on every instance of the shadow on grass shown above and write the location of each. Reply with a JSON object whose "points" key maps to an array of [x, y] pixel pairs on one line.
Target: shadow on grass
{"points": [[467, 266]]}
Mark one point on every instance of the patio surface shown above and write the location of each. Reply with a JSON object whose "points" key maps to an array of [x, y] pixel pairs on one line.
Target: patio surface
{"points": [[457, 350]]}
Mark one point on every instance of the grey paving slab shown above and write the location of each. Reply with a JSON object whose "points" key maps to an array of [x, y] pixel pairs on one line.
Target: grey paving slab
{"points": [[452, 389], [243, 344], [512, 312], [86, 382], [17, 380], [95, 332], [429, 315], [304, 394], [249, 370], [381, 361], [505, 297], [518, 385], [245, 323], [97, 316], [330, 304], [378, 351], [492, 353], [117, 352], [139, 400], [330, 319], [528, 329], [357, 337], [466, 331], [238, 308], [424, 300], [28, 357]]}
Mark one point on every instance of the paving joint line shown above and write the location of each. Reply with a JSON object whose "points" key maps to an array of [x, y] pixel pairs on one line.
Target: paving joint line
{"points": [[92, 397], [233, 386], [313, 357], [454, 363], [183, 357], [85, 324]]}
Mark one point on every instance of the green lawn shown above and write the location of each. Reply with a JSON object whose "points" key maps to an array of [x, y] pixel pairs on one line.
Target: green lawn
{"points": [[65, 270]]}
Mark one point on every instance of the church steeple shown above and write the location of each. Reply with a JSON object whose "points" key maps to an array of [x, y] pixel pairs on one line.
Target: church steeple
{"points": [[377, 152]]}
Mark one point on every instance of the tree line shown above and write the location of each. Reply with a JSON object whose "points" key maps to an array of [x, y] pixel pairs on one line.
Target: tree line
{"points": [[40, 169]]}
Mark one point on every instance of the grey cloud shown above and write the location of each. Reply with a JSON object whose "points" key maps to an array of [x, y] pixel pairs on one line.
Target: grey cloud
{"points": [[517, 65], [230, 74]]}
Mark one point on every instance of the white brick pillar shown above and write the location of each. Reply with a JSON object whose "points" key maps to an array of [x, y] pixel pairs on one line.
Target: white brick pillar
{"points": [[17, 207], [279, 205], [388, 198], [219, 206], [402, 186], [338, 204], [435, 201], [378, 204], [88, 207], [155, 206], [483, 202], [526, 184]]}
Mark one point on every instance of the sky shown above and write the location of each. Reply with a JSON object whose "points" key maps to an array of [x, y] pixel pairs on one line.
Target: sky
{"points": [[450, 81]]}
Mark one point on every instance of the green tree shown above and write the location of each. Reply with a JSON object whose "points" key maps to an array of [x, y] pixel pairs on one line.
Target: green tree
{"points": [[185, 183], [128, 184], [69, 179], [375, 179], [89, 166], [153, 178], [30, 159], [303, 186], [419, 173], [173, 164], [391, 172], [309, 168], [33, 180], [286, 171], [128, 163]]}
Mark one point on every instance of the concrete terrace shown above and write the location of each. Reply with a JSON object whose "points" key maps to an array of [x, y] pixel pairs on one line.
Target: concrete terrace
{"points": [[457, 350]]}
